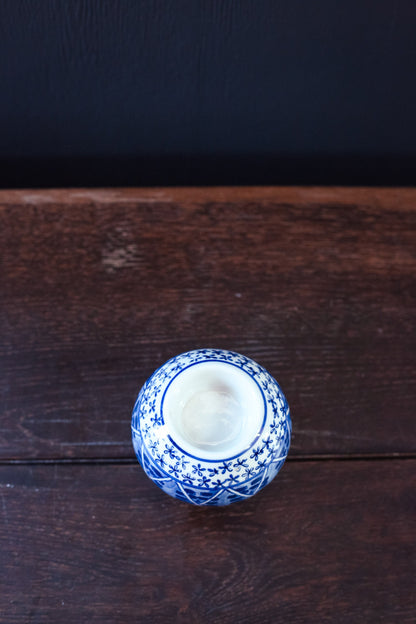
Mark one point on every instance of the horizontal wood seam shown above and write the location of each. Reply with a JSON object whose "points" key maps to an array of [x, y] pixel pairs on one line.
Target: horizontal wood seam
{"points": [[131, 461]]}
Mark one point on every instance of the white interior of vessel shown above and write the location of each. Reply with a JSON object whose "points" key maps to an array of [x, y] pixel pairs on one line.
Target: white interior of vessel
{"points": [[213, 410]]}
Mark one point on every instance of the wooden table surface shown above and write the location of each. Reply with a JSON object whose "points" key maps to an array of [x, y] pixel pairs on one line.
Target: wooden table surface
{"points": [[100, 287]]}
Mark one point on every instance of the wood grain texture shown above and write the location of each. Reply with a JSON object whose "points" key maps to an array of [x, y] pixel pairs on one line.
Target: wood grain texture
{"points": [[325, 542], [98, 288]]}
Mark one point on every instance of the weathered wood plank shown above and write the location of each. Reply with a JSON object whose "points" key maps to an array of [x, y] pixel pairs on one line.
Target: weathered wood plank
{"points": [[326, 541], [98, 288]]}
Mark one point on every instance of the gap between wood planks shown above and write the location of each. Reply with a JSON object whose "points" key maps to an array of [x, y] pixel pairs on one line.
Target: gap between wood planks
{"points": [[131, 461]]}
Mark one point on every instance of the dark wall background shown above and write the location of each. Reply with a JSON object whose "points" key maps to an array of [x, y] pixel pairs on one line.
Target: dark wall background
{"points": [[217, 91]]}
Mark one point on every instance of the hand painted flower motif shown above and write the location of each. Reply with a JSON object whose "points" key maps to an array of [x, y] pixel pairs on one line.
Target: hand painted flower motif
{"points": [[249, 472], [267, 442], [198, 469], [204, 482], [256, 453], [157, 420], [170, 451], [226, 467], [153, 445], [160, 459], [233, 478], [175, 470], [240, 463], [213, 471], [218, 483], [157, 389], [274, 427]]}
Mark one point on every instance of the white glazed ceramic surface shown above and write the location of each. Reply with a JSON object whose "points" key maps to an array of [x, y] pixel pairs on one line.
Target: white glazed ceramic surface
{"points": [[211, 427]]}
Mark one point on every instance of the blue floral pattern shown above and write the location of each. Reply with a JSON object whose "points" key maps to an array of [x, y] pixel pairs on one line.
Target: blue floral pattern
{"points": [[201, 481]]}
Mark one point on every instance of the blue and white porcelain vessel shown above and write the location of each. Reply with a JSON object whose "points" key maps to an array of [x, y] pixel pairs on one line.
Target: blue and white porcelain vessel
{"points": [[211, 427]]}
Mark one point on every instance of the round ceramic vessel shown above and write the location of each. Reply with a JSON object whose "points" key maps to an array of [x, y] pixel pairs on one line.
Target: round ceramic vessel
{"points": [[211, 427]]}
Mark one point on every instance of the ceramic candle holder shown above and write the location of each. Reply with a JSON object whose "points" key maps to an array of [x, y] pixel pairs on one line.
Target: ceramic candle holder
{"points": [[211, 427]]}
